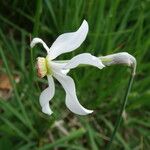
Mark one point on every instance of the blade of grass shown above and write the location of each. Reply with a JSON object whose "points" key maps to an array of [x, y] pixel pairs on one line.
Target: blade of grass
{"points": [[13, 111], [50, 8], [22, 107], [119, 137], [17, 131], [73, 135], [23, 54], [13, 25], [91, 138], [36, 27], [38, 14], [119, 119]]}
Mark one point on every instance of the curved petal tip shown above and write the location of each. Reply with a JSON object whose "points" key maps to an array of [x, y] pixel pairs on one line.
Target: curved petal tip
{"points": [[46, 109], [76, 107], [70, 41], [37, 40], [72, 101], [34, 42]]}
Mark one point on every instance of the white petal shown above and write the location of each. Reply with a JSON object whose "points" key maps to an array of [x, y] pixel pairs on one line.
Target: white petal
{"points": [[38, 40], [59, 67], [65, 71], [71, 99], [85, 58], [46, 109], [47, 95], [68, 42]]}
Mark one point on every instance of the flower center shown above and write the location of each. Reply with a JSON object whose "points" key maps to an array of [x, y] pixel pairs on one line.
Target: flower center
{"points": [[43, 67]]}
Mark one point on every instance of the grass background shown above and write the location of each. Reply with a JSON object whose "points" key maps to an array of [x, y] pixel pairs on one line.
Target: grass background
{"points": [[114, 26]]}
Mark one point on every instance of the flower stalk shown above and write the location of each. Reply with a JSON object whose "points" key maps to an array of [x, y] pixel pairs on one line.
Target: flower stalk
{"points": [[129, 60]]}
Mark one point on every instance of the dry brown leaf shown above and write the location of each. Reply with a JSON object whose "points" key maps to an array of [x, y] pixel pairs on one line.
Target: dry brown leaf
{"points": [[4, 82], [5, 86]]}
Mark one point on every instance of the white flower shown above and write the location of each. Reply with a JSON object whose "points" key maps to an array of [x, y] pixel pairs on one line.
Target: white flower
{"points": [[66, 42]]}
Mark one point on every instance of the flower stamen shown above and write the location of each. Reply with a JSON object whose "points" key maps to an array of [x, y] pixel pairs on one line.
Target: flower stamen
{"points": [[41, 67]]}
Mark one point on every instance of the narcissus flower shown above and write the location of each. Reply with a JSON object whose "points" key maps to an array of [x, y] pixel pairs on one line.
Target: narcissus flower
{"points": [[49, 67]]}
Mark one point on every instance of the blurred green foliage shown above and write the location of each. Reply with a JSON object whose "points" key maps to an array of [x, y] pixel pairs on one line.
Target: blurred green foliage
{"points": [[114, 26]]}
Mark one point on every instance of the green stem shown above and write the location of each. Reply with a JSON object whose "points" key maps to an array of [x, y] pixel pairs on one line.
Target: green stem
{"points": [[37, 17], [36, 28], [119, 119], [38, 13]]}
